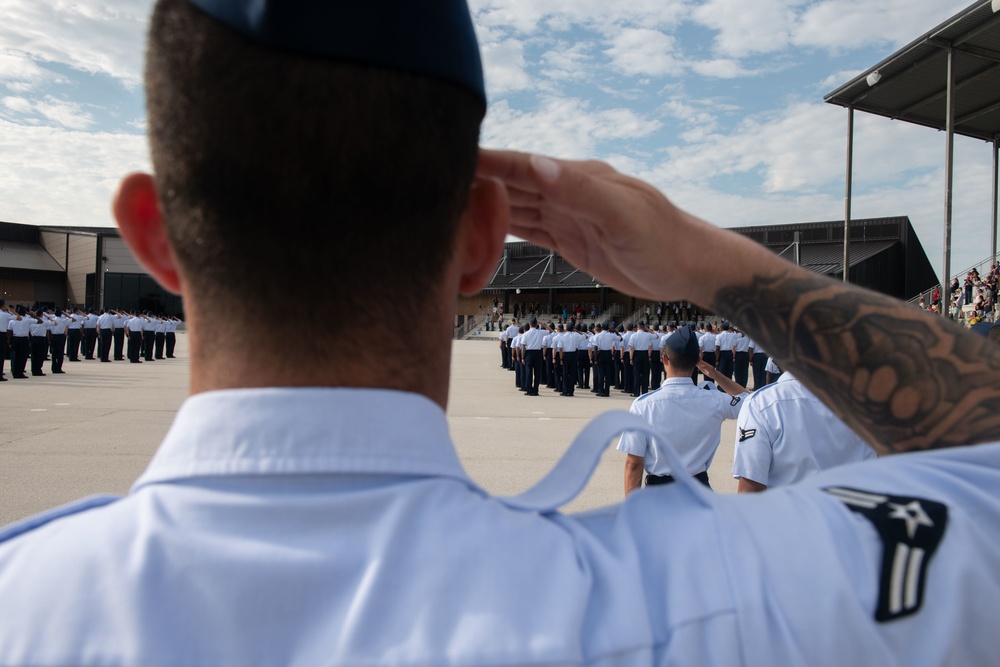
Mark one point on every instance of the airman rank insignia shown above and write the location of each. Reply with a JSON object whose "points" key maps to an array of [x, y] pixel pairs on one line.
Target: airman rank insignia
{"points": [[911, 530], [746, 434]]}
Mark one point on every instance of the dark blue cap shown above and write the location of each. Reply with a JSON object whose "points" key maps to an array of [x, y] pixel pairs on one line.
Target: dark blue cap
{"points": [[684, 341], [434, 38]]}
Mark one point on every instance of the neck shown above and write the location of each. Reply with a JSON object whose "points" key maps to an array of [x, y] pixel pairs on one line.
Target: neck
{"points": [[224, 359]]}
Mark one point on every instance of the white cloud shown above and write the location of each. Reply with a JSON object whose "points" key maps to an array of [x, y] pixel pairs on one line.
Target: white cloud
{"points": [[530, 16], [505, 67], [63, 177], [802, 148], [567, 62], [97, 36], [639, 51], [837, 79], [20, 73], [837, 25], [721, 68], [67, 114], [771, 26], [562, 126], [745, 28]]}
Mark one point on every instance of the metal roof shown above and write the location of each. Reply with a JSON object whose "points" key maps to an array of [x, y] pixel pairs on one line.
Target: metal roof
{"points": [[31, 256], [828, 258], [912, 82]]}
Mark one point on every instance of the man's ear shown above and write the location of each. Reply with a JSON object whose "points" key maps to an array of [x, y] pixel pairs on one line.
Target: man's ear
{"points": [[137, 211], [485, 223]]}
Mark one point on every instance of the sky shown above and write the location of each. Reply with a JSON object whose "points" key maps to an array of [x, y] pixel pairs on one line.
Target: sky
{"points": [[718, 103]]}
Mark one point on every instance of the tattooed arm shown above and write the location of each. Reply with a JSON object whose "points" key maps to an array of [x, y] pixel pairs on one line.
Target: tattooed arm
{"points": [[900, 377]]}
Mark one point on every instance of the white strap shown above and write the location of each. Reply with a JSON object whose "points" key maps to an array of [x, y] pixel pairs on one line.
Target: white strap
{"points": [[571, 473]]}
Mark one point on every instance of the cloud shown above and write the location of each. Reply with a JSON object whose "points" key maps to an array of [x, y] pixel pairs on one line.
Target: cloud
{"points": [[21, 74], [641, 51], [722, 68], [96, 36], [67, 114], [562, 126], [837, 25], [530, 16], [746, 28], [63, 176], [772, 26], [505, 67]]}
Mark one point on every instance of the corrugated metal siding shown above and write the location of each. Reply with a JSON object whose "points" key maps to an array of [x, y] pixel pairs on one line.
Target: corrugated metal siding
{"points": [[120, 259], [30, 256]]}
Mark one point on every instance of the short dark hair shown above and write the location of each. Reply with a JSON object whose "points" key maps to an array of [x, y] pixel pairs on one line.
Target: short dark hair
{"points": [[681, 362], [281, 172]]}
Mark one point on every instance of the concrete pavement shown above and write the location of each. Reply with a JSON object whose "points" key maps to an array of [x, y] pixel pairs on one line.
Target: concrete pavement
{"points": [[94, 429]]}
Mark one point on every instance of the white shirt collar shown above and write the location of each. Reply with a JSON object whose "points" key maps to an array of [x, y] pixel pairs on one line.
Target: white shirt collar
{"points": [[305, 431]]}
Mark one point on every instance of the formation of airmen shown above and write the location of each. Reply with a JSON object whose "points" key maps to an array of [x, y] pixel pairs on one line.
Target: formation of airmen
{"points": [[625, 357], [41, 333], [784, 434]]}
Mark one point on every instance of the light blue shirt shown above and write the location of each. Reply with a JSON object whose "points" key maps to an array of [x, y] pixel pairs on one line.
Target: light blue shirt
{"points": [[337, 527], [687, 418], [784, 434]]}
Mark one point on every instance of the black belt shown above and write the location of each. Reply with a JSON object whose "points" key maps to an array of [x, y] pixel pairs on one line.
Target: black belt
{"points": [[655, 480]]}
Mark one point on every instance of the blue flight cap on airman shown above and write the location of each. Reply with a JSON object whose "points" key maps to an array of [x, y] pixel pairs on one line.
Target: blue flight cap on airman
{"points": [[434, 38], [684, 341]]}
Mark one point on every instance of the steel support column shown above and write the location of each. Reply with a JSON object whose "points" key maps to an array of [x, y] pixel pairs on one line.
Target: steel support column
{"points": [[949, 180], [847, 194]]}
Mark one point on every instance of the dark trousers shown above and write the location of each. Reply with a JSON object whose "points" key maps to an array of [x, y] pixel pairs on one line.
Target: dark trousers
{"points": [[58, 346], [640, 362], [19, 355], [171, 343], [741, 368], [655, 480], [550, 368], [134, 346], [39, 348], [708, 358], [655, 371], [605, 372], [3, 350], [504, 355], [106, 340], [119, 334], [583, 369], [616, 378], [726, 363], [148, 341], [569, 372], [161, 339], [89, 342], [759, 361], [628, 375], [73, 337], [533, 370]]}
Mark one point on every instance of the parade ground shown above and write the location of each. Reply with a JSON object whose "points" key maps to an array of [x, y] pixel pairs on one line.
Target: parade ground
{"points": [[94, 429]]}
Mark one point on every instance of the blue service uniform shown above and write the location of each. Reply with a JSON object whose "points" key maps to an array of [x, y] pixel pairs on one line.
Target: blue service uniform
{"points": [[279, 527]]}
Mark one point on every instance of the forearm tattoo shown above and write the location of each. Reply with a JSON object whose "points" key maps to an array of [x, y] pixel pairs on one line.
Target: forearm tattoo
{"points": [[900, 377]]}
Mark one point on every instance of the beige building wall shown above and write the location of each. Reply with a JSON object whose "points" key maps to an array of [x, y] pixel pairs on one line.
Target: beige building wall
{"points": [[82, 260], [55, 243]]}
